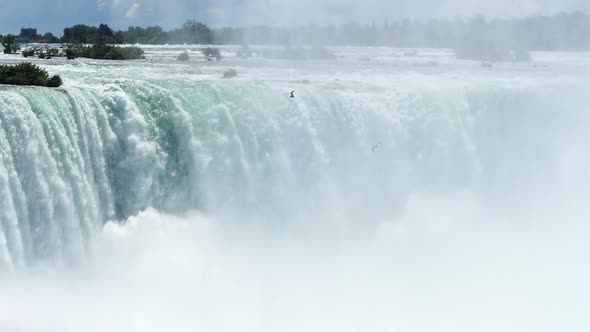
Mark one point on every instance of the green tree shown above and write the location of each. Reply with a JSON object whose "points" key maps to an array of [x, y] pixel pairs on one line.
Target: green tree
{"points": [[80, 33], [104, 30], [197, 33], [149, 35], [10, 45], [50, 38]]}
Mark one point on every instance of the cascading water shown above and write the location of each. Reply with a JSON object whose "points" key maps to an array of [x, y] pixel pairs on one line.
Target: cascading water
{"points": [[294, 176]]}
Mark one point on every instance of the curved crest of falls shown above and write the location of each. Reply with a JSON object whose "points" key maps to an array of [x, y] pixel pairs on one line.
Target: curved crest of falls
{"points": [[117, 140], [228, 197]]}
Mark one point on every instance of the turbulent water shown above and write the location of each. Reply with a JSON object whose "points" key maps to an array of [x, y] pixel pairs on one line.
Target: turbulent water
{"points": [[154, 195]]}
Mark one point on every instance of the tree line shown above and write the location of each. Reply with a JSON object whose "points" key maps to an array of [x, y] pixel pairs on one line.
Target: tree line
{"points": [[565, 31], [191, 32]]}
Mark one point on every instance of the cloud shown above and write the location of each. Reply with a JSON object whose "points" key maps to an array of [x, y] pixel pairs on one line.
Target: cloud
{"points": [[133, 10], [326, 12], [216, 12], [54, 15], [102, 4]]}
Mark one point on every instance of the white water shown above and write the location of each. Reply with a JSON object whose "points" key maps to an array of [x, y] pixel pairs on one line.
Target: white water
{"points": [[266, 213]]}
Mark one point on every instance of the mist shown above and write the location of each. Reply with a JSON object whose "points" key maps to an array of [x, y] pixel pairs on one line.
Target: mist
{"points": [[167, 273]]}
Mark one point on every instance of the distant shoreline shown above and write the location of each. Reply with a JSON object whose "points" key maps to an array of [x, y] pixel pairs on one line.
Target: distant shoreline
{"points": [[563, 31]]}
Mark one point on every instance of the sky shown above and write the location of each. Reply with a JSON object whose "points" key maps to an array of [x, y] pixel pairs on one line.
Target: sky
{"points": [[54, 15]]}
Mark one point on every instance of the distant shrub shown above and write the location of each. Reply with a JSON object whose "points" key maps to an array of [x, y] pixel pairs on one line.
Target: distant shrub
{"points": [[100, 49], [491, 52], [28, 53], [212, 52], [122, 53], [288, 53], [53, 51], [293, 54], [321, 53], [245, 52], [230, 73], [54, 82], [70, 54], [521, 55], [183, 56]]}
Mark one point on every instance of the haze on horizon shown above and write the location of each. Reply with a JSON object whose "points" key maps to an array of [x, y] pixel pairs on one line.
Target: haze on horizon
{"points": [[53, 16]]}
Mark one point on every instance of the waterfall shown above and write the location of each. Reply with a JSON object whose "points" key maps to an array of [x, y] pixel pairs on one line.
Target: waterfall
{"points": [[71, 159]]}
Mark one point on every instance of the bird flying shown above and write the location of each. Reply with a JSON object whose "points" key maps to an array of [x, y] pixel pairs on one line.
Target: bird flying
{"points": [[376, 146]]}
